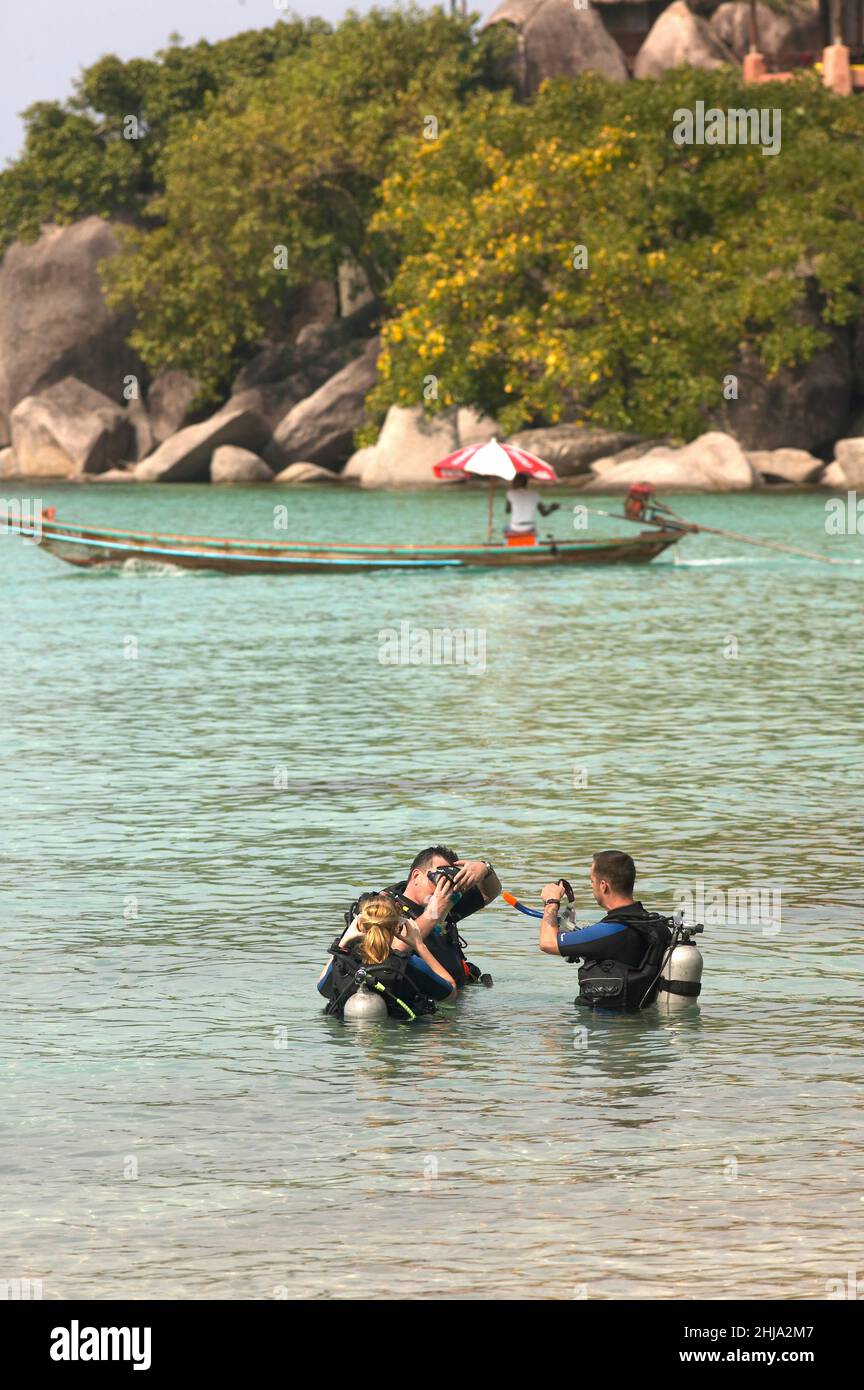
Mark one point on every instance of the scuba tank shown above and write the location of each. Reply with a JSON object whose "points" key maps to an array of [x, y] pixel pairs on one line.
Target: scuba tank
{"points": [[366, 1002], [681, 978]]}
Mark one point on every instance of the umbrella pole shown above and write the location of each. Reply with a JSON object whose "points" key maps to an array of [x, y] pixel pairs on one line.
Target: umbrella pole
{"points": [[491, 504]]}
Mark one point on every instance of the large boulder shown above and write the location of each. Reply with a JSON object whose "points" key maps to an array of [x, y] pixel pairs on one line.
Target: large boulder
{"points": [[8, 466], [315, 302], [112, 475], [170, 402], [849, 453], [795, 31], [321, 428], [353, 470], [54, 321], [714, 462], [472, 427], [67, 430], [571, 449], [231, 464], [786, 465], [299, 474], [409, 444], [144, 441], [803, 407], [185, 457], [554, 39], [273, 399], [679, 38]]}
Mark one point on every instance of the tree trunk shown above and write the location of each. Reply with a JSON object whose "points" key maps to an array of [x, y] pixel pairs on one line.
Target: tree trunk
{"points": [[754, 28]]}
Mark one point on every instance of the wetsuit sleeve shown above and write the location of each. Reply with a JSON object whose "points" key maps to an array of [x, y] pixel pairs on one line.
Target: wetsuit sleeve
{"points": [[470, 902], [423, 977], [325, 983], [591, 943]]}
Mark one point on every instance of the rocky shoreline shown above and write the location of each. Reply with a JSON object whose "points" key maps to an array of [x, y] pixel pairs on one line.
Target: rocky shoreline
{"points": [[76, 405]]}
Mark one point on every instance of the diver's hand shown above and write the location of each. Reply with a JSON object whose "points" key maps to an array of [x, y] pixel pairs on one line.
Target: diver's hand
{"points": [[552, 890], [438, 905], [471, 873], [351, 933], [410, 934]]}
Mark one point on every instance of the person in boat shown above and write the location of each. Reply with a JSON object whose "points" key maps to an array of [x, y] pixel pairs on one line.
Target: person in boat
{"points": [[391, 949], [622, 954], [440, 891], [523, 504]]}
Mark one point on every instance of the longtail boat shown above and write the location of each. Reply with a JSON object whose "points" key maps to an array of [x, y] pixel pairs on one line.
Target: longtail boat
{"points": [[91, 546]]}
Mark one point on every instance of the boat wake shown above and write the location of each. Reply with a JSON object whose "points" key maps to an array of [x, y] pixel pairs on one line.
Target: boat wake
{"points": [[155, 568], [719, 560]]}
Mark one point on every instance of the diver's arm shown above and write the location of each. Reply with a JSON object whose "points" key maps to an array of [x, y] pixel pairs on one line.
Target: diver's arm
{"points": [[549, 921], [491, 885], [477, 873], [411, 939], [351, 933], [422, 950]]}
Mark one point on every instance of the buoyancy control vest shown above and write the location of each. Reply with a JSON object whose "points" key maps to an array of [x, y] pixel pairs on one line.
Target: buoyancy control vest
{"points": [[609, 984], [403, 999]]}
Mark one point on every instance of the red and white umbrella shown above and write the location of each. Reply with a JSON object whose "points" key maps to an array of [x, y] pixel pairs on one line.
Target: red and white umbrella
{"points": [[494, 460]]}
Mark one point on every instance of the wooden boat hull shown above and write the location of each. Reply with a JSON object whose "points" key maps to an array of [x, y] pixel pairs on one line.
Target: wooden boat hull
{"points": [[89, 547]]}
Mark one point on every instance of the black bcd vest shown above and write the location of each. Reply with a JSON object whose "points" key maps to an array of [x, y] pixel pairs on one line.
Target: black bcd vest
{"points": [[403, 999], [609, 984]]}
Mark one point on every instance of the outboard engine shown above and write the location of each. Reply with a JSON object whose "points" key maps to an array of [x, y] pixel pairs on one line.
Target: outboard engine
{"points": [[366, 1002], [681, 980]]}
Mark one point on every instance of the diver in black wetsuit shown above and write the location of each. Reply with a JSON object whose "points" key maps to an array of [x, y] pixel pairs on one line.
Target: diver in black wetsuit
{"points": [[623, 953], [439, 902]]}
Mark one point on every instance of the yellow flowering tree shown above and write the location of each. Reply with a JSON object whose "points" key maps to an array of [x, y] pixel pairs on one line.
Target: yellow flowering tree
{"points": [[567, 259]]}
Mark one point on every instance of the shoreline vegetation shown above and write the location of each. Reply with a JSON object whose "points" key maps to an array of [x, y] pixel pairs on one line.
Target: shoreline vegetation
{"points": [[263, 260]]}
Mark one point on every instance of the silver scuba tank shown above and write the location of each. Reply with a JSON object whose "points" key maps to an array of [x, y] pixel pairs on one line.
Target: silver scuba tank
{"points": [[365, 1002], [681, 980]]}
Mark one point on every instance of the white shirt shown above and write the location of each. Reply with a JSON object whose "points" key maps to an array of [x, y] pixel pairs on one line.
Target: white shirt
{"points": [[524, 502]]}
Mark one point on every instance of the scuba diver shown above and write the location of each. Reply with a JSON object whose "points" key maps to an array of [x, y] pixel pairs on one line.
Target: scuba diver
{"points": [[382, 953], [439, 892], [624, 953]]}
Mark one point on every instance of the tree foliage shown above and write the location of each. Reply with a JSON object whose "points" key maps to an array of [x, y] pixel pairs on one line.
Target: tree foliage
{"points": [[275, 182], [696, 254], [76, 160]]}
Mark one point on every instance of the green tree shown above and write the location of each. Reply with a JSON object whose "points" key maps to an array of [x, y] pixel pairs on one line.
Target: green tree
{"points": [[77, 157], [695, 253], [275, 182]]}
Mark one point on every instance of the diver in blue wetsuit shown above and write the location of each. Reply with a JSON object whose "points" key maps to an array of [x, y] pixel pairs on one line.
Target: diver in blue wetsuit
{"points": [[622, 955]]}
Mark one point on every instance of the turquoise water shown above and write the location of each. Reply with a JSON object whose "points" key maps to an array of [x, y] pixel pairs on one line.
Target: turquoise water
{"points": [[198, 772]]}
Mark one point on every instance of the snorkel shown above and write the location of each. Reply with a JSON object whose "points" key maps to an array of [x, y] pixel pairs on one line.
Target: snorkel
{"points": [[566, 914]]}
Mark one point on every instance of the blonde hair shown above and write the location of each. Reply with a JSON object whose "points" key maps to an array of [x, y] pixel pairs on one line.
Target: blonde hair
{"points": [[379, 920]]}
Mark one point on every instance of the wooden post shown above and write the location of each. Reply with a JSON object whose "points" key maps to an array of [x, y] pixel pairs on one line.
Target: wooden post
{"points": [[491, 504], [836, 71]]}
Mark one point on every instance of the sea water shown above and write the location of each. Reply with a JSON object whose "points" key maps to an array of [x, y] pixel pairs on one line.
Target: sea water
{"points": [[199, 772]]}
